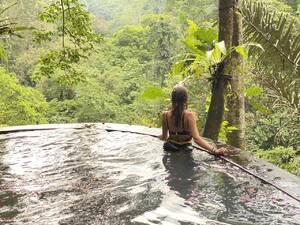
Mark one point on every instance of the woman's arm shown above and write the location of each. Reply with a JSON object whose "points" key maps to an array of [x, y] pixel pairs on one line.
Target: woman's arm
{"points": [[164, 134], [195, 133]]}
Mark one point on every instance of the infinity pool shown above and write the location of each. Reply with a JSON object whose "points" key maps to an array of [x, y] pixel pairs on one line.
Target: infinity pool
{"points": [[90, 176]]}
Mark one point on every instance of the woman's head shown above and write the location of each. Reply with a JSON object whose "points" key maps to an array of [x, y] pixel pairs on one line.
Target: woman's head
{"points": [[179, 95], [179, 102]]}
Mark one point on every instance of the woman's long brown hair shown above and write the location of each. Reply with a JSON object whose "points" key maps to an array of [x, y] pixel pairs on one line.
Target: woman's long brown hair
{"points": [[179, 103]]}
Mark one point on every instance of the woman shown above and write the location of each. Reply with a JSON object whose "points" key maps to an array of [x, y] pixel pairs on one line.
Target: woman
{"points": [[179, 125]]}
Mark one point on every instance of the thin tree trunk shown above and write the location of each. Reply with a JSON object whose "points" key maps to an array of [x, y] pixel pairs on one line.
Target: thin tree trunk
{"points": [[235, 98], [216, 109], [63, 22]]}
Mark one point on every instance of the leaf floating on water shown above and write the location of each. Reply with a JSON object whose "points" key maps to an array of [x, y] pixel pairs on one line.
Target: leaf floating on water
{"points": [[251, 191], [297, 212], [245, 198]]}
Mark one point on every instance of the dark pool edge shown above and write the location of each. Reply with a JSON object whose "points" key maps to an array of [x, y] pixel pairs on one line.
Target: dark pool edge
{"points": [[26, 128], [270, 172]]}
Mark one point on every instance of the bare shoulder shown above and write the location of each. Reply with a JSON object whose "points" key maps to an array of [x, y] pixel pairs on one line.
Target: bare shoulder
{"points": [[190, 115], [164, 113]]}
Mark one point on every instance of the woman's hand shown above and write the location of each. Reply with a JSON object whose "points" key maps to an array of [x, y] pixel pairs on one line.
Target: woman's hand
{"points": [[226, 151], [220, 151], [162, 137]]}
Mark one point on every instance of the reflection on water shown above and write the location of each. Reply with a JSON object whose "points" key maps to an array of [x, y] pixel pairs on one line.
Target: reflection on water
{"points": [[176, 204], [182, 170], [90, 176]]}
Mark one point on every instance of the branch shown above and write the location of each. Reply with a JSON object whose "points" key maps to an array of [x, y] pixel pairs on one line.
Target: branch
{"points": [[63, 20]]}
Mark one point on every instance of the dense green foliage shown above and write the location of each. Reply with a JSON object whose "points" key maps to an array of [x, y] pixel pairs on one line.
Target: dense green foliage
{"points": [[72, 24], [286, 158], [113, 64], [18, 104]]}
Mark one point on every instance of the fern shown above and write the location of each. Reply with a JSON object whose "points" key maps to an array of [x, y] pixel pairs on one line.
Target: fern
{"points": [[274, 30]]}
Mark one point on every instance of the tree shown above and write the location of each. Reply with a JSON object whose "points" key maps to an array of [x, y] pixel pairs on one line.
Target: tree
{"points": [[74, 27], [216, 109], [132, 42], [163, 37], [235, 96], [18, 104], [7, 28], [199, 11]]}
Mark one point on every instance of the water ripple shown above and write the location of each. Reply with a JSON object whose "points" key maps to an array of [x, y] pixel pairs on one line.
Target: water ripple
{"points": [[89, 176]]}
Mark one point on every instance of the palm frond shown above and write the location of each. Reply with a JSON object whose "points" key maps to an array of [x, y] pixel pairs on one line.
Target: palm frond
{"points": [[283, 88], [274, 30]]}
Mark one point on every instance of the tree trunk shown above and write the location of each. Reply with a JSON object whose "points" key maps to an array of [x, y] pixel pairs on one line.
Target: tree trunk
{"points": [[216, 109], [235, 97]]}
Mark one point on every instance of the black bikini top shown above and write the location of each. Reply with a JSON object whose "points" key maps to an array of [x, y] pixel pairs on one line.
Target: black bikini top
{"points": [[181, 133]]}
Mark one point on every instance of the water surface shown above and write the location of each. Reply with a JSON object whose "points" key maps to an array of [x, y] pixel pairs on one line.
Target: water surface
{"points": [[90, 176]]}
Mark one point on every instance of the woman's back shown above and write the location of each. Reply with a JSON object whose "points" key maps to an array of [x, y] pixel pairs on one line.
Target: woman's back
{"points": [[179, 125], [180, 133]]}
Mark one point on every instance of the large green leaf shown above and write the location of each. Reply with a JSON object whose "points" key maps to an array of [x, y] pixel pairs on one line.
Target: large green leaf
{"points": [[153, 93], [221, 46], [192, 27], [253, 91], [217, 54], [208, 35]]}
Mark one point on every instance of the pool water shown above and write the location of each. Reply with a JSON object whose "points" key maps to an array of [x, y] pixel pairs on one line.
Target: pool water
{"points": [[90, 176]]}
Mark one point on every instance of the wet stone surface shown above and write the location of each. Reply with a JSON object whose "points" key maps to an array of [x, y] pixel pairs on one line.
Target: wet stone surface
{"points": [[90, 176]]}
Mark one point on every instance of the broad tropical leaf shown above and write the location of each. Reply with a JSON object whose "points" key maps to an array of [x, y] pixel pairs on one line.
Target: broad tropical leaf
{"points": [[153, 93], [253, 91]]}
